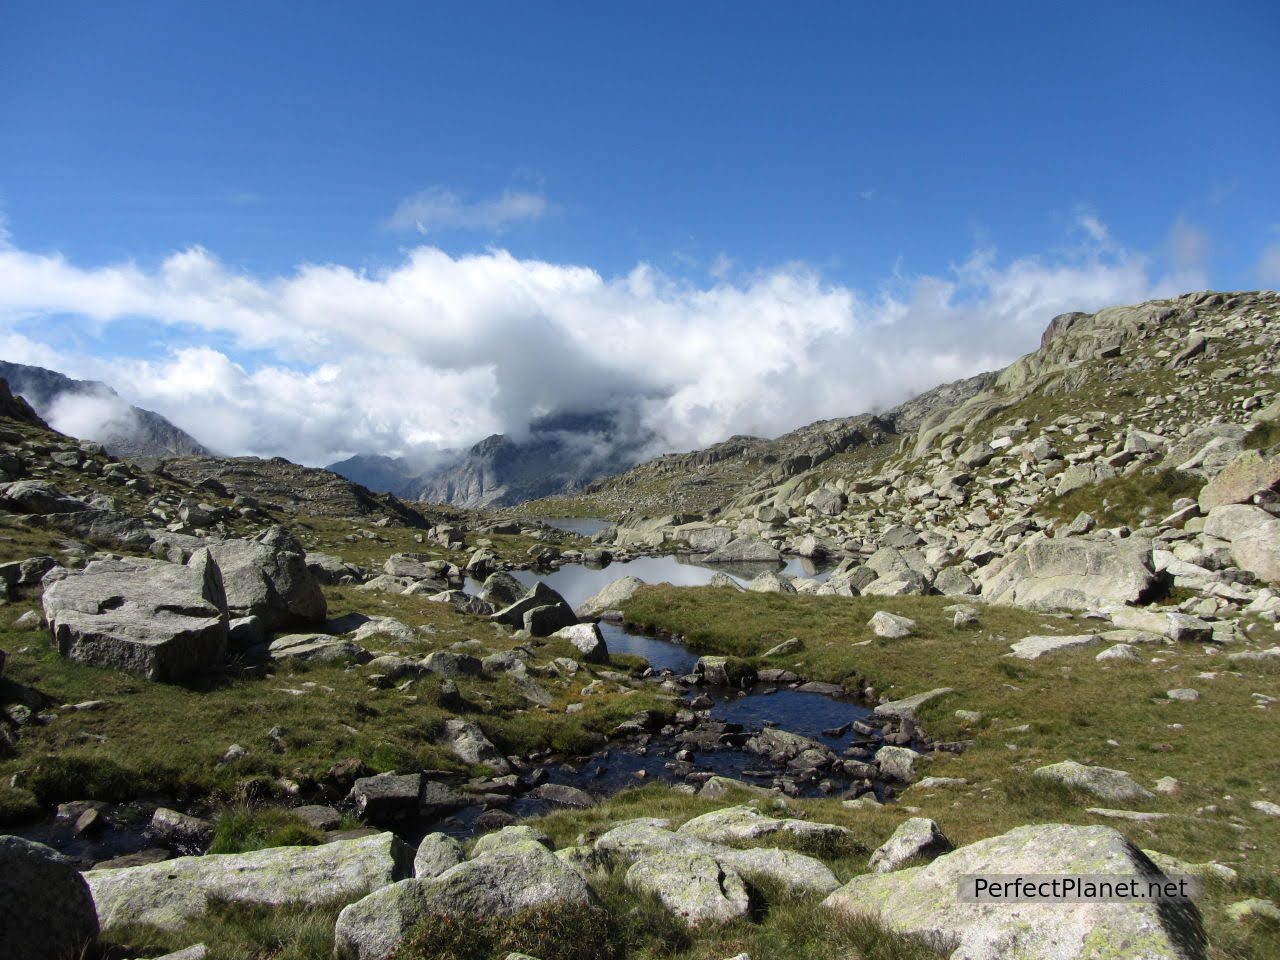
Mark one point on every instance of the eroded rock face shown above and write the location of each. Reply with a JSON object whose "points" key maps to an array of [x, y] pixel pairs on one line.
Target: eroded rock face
{"points": [[922, 901], [1071, 573], [744, 550], [163, 621], [268, 577], [174, 892], [46, 910]]}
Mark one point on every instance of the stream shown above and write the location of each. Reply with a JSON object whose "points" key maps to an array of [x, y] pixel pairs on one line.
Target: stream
{"points": [[709, 741]]}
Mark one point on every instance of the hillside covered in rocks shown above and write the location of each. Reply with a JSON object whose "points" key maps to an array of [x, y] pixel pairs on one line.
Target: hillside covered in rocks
{"points": [[1023, 624]]}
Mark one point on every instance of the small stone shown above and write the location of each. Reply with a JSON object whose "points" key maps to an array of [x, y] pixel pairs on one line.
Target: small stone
{"points": [[890, 626], [1185, 694]]}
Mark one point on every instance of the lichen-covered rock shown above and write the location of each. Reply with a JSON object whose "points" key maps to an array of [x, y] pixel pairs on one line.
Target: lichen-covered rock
{"points": [[693, 886], [497, 883], [436, 853], [741, 823], [918, 837], [1033, 648], [163, 621], [890, 626], [744, 550], [630, 841], [724, 671], [897, 763], [907, 706], [46, 910], [510, 836], [1105, 783], [923, 902], [316, 648], [1248, 474], [172, 893]]}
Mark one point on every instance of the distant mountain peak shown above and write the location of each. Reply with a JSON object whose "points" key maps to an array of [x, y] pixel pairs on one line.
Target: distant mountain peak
{"points": [[91, 410]]}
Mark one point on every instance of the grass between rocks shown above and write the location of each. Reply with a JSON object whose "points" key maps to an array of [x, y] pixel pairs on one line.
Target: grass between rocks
{"points": [[1133, 500], [1223, 749]]}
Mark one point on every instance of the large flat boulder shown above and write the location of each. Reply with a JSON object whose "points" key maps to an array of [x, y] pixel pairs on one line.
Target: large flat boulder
{"points": [[923, 901], [163, 621], [1072, 573], [268, 578], [174, 892], [46, 910], [1114, 785]]}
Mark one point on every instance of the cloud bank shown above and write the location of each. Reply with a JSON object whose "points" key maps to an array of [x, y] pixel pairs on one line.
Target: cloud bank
{"points": [[438, 351]]}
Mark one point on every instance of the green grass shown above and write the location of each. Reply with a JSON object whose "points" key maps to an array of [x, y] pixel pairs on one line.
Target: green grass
{"points": [[1264, 436], [235, 932], [143, 739], [1224, 750], [241, 828], [1134, 500]]}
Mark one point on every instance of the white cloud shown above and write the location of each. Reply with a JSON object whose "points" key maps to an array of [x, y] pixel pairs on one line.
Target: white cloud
{"points": [[438, 351], [440, 208], [1269, 265], [1188, 246]]}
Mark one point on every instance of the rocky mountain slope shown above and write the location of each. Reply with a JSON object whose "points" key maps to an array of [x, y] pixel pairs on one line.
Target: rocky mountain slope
{"points": [[1048, 612], [123, 430]]}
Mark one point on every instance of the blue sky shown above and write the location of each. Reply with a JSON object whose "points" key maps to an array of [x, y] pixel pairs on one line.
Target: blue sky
{"points": [[867, 151]]}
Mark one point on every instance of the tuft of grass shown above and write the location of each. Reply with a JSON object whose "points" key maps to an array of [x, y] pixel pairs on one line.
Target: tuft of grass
{"points": [[241, 829], [1132, 500], [551, 932], [17, 804], [234, 932], [1264, 435]]}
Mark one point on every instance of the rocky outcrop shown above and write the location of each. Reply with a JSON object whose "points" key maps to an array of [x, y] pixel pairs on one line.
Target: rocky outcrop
{"points": [[174, 892], [541, 611], [46, 910], [163, 621], [268, 578], [923, 901]]}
